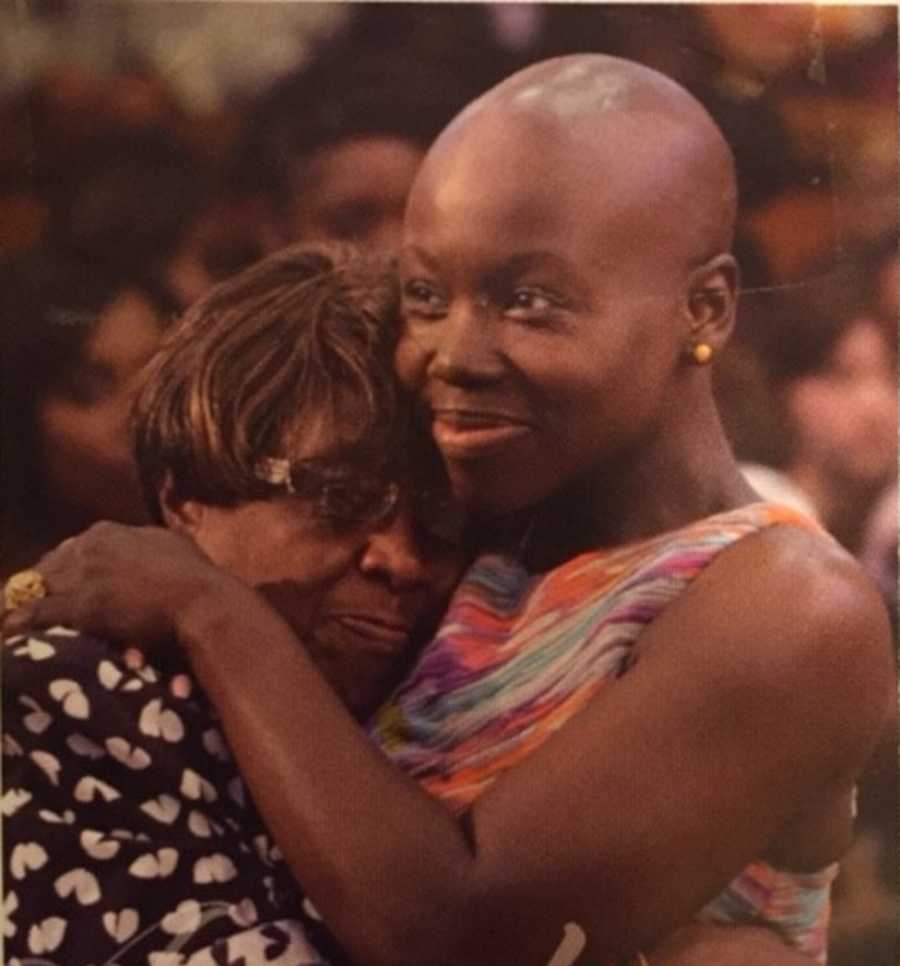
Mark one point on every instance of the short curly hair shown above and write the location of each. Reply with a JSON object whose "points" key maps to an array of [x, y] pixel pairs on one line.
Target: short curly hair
{"points": [[305, 335]]}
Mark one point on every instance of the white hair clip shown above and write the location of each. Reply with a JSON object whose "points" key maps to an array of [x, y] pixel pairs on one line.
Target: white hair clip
{"points": [[275, 471]]}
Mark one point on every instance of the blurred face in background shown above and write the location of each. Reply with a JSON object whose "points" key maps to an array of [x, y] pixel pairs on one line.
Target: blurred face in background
{"points": [[845, 414], [83, 449], [354, 190], [759, 40], [888, 296]]}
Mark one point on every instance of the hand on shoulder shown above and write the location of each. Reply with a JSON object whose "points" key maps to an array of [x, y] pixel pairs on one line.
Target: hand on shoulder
{"points": [[124, 583]]}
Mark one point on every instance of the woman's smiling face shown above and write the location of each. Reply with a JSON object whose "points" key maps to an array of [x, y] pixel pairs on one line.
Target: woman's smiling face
{"points": [[534, 299]]}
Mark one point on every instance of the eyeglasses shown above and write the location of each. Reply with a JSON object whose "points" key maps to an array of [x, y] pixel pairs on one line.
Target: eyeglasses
{"points": [[347, 496]]}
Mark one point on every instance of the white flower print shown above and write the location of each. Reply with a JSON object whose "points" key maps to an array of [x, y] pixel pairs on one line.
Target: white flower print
{"points": [[10, 904], [185, 918], [73, 699], [27, 857], [45, 936], [81, 883]]}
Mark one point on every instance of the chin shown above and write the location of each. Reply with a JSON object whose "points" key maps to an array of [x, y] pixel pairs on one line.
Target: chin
{"points": [[496, 491]]}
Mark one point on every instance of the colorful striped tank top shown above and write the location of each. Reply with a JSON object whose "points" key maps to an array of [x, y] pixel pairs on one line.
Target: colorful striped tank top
{"points": [[517, 655]]}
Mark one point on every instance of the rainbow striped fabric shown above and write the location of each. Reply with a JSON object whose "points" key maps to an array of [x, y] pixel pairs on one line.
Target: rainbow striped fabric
{"points": [[517, 655]]}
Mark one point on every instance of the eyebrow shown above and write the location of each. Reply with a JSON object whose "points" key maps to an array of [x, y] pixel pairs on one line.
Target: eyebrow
{"points": [[420, 254], [534, 259], [519, 261]]}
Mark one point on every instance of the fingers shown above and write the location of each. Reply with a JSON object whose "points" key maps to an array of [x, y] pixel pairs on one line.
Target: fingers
{"points": [[15, 622], [45, 612], [58, 569], [133, 658], [181, 686]]}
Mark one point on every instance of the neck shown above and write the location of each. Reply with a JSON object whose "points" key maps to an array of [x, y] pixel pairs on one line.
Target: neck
{"points": [[683, 472]]}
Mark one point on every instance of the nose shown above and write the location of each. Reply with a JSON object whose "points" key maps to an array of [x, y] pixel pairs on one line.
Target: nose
{"points": [[465, 350], [393, 554]]}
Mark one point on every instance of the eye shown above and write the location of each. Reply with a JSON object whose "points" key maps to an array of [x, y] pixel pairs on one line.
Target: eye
{"points": [[352, 502], [423, 299], [531, 304]]}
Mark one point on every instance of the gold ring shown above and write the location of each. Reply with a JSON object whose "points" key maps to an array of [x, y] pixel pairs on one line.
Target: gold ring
{"points": [[22, 588]]}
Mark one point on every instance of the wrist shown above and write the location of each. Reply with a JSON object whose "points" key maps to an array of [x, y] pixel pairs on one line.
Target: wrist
{"points": [[216, 601]]}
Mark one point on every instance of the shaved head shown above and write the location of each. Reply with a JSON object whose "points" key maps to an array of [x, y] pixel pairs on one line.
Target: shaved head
{"points": [[566, 254], [657, 146]]}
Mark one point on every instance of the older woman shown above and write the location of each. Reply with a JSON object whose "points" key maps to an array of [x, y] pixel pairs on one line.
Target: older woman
{"points": [[717, 670], [262, 429]]}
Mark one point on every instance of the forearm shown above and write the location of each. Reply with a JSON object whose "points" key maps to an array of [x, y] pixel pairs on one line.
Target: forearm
{"points": [[589, 830], [391, 871], [375, 854], [711, 945]]}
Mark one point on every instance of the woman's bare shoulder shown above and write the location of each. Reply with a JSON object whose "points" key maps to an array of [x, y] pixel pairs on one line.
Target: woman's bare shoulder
{"points": [[788, 613]]}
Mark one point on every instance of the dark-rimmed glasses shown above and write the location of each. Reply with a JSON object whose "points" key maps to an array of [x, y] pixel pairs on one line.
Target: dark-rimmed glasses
{"points": [[348, 495]]}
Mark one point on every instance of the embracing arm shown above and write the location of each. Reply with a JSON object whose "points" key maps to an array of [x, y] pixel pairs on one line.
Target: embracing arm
{"points": [[758, 692], [699, 944]]}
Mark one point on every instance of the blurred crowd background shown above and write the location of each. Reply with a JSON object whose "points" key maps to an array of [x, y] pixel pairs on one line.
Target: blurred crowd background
{"points": [[148, 149]]}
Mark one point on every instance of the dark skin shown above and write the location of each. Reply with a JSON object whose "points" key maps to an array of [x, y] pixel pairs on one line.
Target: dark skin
{"points": [[766, 681], [206, 604]]}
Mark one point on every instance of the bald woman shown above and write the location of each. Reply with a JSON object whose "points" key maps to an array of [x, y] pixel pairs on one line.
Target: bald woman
{"points": [[652, 694]]}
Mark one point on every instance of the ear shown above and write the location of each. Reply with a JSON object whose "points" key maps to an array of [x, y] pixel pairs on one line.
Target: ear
{"points": [[183, 516], [712, 301]]}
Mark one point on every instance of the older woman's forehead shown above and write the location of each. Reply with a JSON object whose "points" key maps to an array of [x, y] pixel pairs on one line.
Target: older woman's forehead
{"points": [[348, 431], [323, 432]]}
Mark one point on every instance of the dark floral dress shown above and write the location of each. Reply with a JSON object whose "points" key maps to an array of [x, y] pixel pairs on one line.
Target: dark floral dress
{"points": [[128, 834]]}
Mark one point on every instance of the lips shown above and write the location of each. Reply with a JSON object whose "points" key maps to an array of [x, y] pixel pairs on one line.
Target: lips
{"points": [[377, 629], [466, 433]]}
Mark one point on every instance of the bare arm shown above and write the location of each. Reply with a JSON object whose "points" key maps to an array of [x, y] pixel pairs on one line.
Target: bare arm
{"points": [[757, 693], [753, 698], [706, 945]]}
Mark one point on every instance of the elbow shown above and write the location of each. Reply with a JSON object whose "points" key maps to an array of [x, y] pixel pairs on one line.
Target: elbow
{"points": [[419, 941], [431, 950], [448, 934], [437, 930], [411, 945]]}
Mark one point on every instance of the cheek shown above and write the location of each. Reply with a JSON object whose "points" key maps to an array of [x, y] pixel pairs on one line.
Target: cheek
{"points": [[824, 415], [602, 410], [445, 567], [96, 433], [585, 399], [86, 461], [86, 464], [294, 571], [411, 361], [299, 581]]}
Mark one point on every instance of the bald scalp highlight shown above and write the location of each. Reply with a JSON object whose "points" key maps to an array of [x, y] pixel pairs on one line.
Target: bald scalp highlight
{"points": [[590, 100]]}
